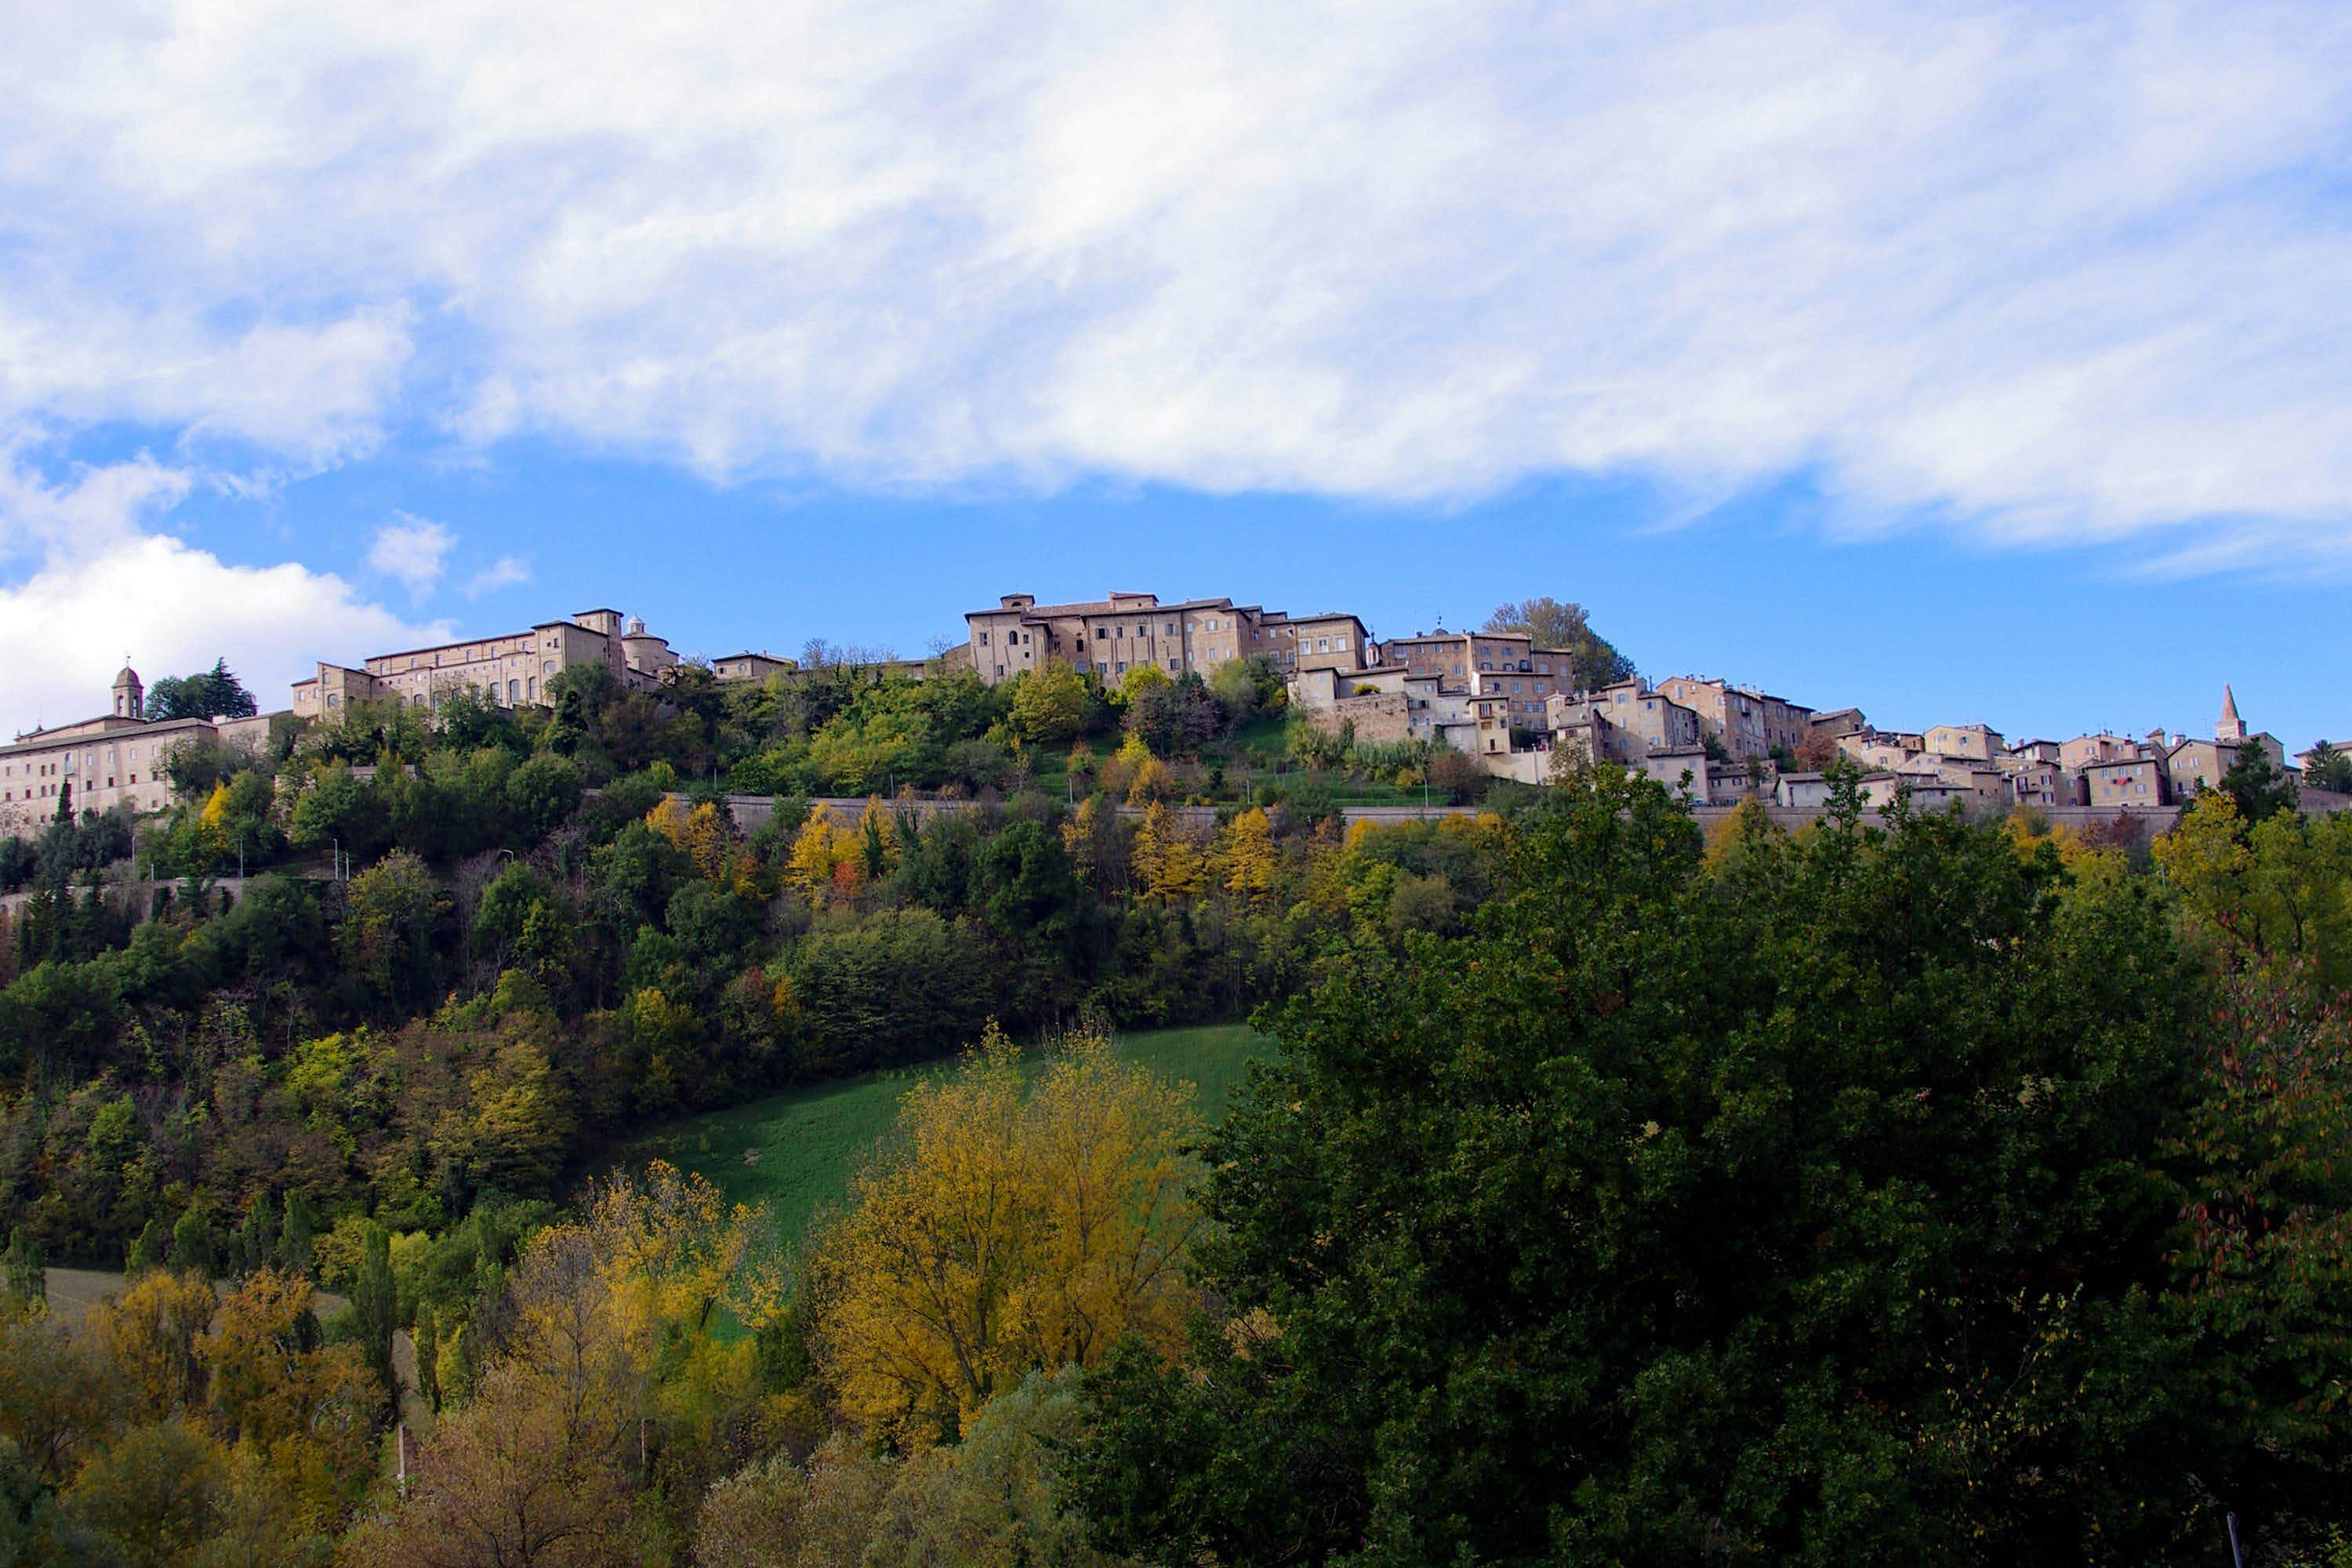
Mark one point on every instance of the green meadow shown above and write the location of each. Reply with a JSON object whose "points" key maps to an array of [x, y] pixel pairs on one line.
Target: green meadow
{"points": [[795, 1152]]}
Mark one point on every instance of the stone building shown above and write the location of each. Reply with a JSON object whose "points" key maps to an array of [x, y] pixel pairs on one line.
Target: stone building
{"points": [[1505, 665], [115, 759], [513, 668], [752, 667], [1750, 725], [1108, 636]]}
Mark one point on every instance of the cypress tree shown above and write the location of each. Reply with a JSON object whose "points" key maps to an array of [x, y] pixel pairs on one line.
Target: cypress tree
{"points": [[191, 1246]]}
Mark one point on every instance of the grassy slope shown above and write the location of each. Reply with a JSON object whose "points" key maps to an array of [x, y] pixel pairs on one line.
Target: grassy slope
{"points": [[809, 1139]]}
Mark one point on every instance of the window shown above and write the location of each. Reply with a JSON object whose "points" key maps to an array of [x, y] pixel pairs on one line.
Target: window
{"points": [[1102, 634], [984, 638]]}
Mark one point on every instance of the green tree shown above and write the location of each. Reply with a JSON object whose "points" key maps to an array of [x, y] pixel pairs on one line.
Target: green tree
{"points": [[2260, 786], [191, 1244], [392, 911], [541, 794], [2329, 768], [24, 1272], [154, 1491], [425, 1335], [1594, 658], [1049, 704], [206, 694], [375, 1306], [1820, 1209]]}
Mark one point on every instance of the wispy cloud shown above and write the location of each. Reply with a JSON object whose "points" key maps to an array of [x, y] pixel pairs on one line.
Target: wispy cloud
{"points": [[2043, 273], [413, 550], [506, 572]]}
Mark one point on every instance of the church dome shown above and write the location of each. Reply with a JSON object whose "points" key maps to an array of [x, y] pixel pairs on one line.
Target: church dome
{"points": [[128, 677]]}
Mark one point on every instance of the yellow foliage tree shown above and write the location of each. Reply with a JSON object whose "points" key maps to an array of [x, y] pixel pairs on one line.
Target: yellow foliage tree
{"points": [[670, 818], [149, 1334], [1152, 782], [1168, 863], [815, 849], [307, 1411], [1006, 1229], [1245, 858], [709, 840]]}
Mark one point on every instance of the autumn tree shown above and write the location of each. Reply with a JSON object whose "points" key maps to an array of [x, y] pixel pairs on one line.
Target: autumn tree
{"points": [[148, 1334], [311, 1409], [991, 1500], [1245, 855], [1168, 863], [1003, 1228], [1816, 751], [816, 851]]}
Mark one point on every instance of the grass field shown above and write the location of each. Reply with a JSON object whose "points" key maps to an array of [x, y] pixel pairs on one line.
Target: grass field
{"points": [[794, 1152]]}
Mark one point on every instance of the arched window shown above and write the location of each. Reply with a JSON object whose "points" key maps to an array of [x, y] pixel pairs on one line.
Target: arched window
{"points": [[534, 688], [514, 692]]}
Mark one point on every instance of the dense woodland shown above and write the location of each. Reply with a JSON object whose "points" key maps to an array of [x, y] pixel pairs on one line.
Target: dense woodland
{"points": [[1918, 1189]]}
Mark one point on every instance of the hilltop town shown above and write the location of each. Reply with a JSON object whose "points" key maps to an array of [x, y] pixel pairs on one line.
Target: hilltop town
{"points": [[1517, 709]]}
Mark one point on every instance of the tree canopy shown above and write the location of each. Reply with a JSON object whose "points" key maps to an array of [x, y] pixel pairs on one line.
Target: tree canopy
{"points": [[1823, 1205], [207, 694], [1554, 625]]}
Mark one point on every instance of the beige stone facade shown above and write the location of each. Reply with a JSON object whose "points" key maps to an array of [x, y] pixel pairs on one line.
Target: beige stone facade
{"points": [[512, 668], [1488, 663], [1107, 637], [2130, 781], [2086, 751], [1749, 724], [1328, 642], [752, 667], [116, 759], [1979, 743]]}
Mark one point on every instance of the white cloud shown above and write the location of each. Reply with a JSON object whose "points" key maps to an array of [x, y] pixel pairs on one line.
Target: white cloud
{"points": [[506, 572], [171, 606], [413, 550], [2049, 274]]}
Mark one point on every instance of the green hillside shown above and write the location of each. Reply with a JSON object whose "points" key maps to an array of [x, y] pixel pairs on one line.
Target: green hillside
{"points": [[794, 1150]]}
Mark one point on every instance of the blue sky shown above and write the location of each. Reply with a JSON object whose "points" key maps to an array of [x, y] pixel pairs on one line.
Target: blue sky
{"points": [[1956, 363]]}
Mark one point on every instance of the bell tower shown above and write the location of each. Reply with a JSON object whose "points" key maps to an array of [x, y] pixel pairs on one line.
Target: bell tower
{"points": [[130, 695], [2228, 727]]}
